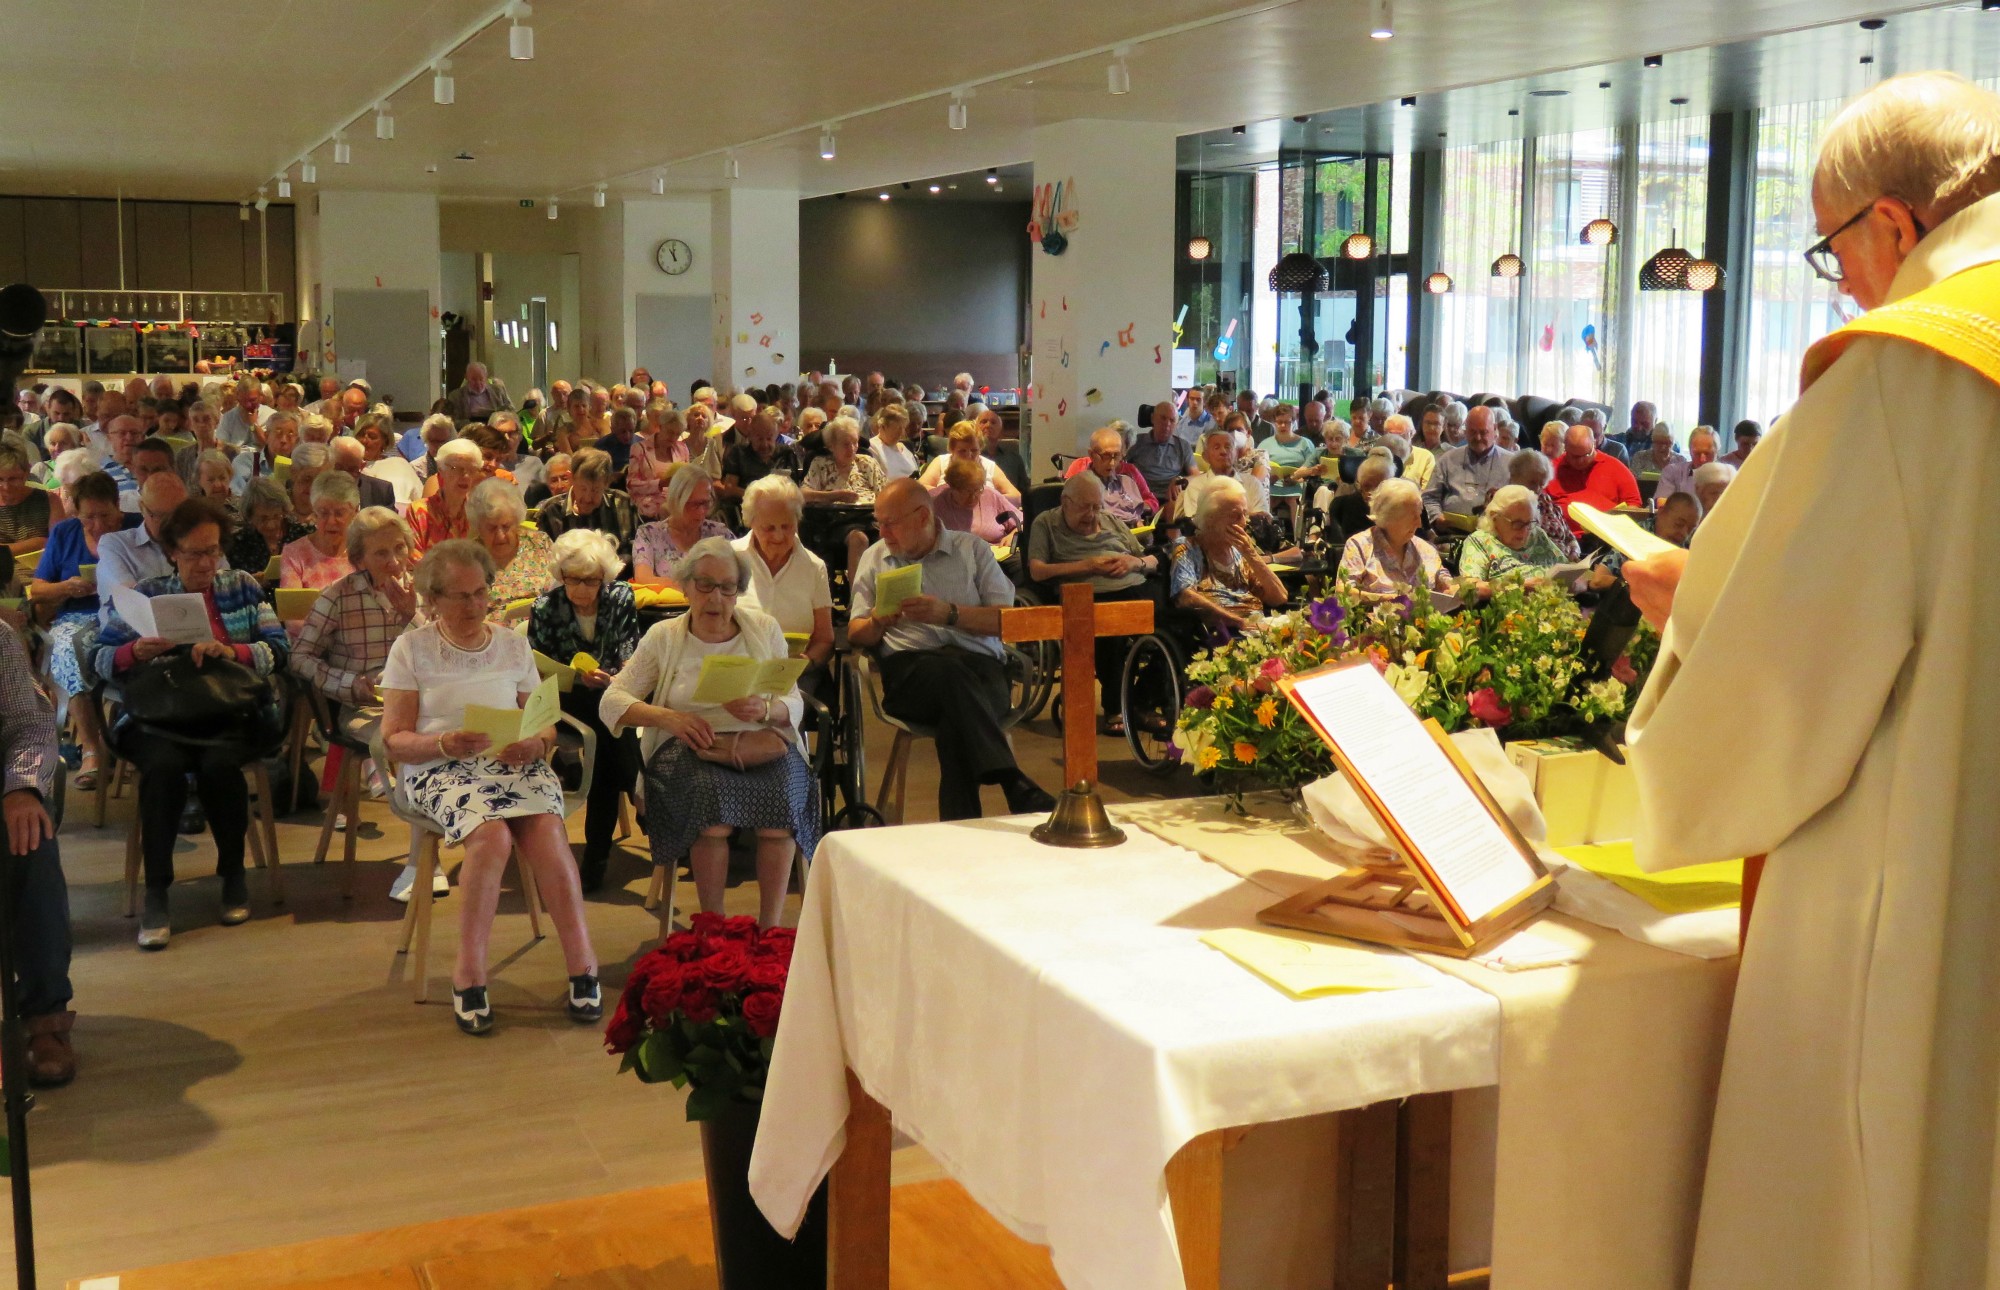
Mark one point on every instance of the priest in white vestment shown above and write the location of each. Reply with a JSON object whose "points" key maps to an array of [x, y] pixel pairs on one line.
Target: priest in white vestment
{"points": [[1829, 692]]}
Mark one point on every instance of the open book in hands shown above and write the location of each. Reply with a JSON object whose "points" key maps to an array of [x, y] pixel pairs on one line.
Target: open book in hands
{"points": [[1619, 532], [506, 726]]}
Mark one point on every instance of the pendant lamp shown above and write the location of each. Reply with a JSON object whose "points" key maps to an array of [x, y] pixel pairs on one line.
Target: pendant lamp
{"points": [[1508, 266], [1599, 232], [1667, 269]]}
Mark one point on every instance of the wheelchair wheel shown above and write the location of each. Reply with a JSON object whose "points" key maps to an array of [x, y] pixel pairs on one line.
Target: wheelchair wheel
{"points": [[858, 815], [1028, 683], [853, 747], [1047, 659], [1149, 699]]}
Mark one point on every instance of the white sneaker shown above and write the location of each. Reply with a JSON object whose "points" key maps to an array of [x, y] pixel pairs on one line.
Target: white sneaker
{"points": [[440, 884], [399, 890]]}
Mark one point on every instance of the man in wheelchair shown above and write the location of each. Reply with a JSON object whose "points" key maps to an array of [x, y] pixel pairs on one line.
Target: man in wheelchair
{"points": [[1082, 541], [940, 651]]}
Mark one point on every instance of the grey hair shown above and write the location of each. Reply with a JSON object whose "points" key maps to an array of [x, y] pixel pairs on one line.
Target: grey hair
{"points": [[313, 421], [1399, 425], [592, 465], [347, 445], [461, 553], [336, 486], [1715, 472], [1931, 139], [1503, 497], [460, 450], [1396, 444], [436, 421], [1377, 466], [310, 456], [264, 491], [550, 464], [1708, 431], [1394, 496], [1381, 406], [681, 487], [713, 548], [620, 416], [1218, 487], [847, 427], [1453, 413], [1595, 419], [1530, 468], [777, 488], [289, 418], [489, 497], [494, 419], [73, 465], [212, 457], [582, 551], [369, 520], [1083, 481]]}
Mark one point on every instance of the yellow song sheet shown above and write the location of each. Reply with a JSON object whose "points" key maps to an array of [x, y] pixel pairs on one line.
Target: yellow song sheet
{"points": [[796, 642], [585, 662], [1620, 532], [564, 674], [894, 586], [294, 603], [1310, 967], [1687, 890], [273, 569], [510, 725], [726, 678]]}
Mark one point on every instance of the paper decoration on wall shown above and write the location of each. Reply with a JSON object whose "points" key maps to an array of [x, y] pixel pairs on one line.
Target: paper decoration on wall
{"points": [[1054, 216], [756, 319], [1092, 397], [743, 338], [1065, 304], [1179, 318], [1156, 356], [778, 358], [1062, 408], [1065, 355], [749, 371], [1045, 309], [765, 340], [434, 311], [1102, 348], [1548, 337], [1590, 343], [1225, 343], [378, 279], [1126, 337]]}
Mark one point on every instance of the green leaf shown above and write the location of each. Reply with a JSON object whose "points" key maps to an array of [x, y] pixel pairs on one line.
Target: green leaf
{"points": [[706, 1103]]}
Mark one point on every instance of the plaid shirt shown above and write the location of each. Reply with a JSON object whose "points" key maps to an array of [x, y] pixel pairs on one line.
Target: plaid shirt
{"points": [[27, 722], [346, 639]]}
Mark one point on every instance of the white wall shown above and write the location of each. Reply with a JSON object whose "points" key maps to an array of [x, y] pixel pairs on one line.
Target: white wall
{"points": [[374, 241], [755, 296], [517, 278], [648, 222]]}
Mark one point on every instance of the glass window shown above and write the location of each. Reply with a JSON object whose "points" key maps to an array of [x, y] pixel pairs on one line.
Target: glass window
{"points": [[1671, 211], [1790, 307], [1571, 289], [1479, 319]]}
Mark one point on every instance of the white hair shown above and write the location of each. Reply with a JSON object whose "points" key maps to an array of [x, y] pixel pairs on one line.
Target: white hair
{"points": [[1931, 139], [310, 456], [681, 487], [440, 422], [1715, 472], [490, 497], [776, 488], [335, 486], [1377, 466], [1704, 432], [1503, 497], [1453, 412], [1531, 462], [73, 465], [1398, 424], [460, 450], [846, 427], [581, 551], [1207, 492], [1082, 482], [1394, 497], [367, 521]]}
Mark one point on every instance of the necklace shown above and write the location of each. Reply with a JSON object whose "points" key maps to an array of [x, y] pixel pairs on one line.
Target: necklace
{"points": [[486, 636]]}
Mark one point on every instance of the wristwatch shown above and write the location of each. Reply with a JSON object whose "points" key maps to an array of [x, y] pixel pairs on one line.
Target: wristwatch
{"points": [[951, 619]]}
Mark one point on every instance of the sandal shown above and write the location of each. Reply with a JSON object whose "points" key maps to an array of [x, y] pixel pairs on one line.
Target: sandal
{"points": [[1112, 724], [86, 776]]}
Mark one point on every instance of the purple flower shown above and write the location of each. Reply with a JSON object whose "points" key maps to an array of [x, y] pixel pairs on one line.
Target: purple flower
{"points": [[1325, 615], [1405, 606], [1201, 697]]}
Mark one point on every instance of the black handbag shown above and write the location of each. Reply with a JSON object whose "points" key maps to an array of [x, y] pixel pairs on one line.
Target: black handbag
{"points": [[220, 701]]}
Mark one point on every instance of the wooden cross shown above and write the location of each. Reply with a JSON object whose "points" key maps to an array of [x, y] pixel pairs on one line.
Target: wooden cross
{"points": [[1077, 624]]}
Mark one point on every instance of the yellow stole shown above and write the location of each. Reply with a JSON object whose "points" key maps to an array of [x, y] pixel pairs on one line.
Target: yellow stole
{"points": [[1958, 317]]}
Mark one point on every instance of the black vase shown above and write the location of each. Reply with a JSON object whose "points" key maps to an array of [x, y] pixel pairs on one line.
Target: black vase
{"points": [[749, 1253]]}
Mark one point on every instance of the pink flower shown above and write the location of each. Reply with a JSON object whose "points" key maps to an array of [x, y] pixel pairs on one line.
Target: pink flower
{"points": [[1487, 708], [1273, 668]]}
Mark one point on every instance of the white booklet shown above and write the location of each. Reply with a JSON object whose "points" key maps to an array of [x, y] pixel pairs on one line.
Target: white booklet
{"points": [[1475, 860], [1620, 532], [181, 618], [511, 725]]}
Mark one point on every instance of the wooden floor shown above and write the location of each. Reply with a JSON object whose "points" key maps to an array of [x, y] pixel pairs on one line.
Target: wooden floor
{"points": [[273, 1083], [656, 1238]]}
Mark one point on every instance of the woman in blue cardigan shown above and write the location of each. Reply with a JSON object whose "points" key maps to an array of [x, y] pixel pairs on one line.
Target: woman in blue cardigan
{"points": [[245, 631]]}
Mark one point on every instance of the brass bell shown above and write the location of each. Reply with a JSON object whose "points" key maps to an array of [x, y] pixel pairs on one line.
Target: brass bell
{"points": [[1079, 820]]}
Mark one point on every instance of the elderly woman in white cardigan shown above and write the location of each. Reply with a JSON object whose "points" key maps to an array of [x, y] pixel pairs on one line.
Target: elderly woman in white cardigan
{"points": [[711, 769]]}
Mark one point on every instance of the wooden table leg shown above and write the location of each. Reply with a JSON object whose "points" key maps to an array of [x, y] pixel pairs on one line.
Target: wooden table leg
{"points": [[1194, 1190], [1365, 1196], [1423, 1192], [858, 1198]]}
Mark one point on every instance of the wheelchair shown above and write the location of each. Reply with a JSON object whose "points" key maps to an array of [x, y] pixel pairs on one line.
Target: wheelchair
{"points": [[835, 722]]}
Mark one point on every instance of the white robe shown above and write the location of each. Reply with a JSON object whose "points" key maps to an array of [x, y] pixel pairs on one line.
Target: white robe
{"points": [[1829, 693]]}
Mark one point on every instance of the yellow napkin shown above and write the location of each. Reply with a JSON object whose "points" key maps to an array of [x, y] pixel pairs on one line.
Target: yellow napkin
{"points": [[656, 597], [1308, 967], [584, 662], [1688, 890]]}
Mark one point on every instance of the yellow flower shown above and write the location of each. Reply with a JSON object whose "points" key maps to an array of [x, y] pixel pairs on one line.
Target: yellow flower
{"points": [[1245, 752], [1267, 713], [1208, 758], [1224, 703]]}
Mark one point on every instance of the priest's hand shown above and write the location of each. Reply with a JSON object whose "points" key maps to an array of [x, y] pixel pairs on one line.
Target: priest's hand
{"points": [[1653, 582]]}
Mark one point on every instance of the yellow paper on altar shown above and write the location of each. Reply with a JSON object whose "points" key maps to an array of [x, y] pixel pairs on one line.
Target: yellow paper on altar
{"points": [[1687, 890], [294, 603], [564, 674], [585, 663], [1310, 967], [510, 725], [726, 678], [894, 586]]}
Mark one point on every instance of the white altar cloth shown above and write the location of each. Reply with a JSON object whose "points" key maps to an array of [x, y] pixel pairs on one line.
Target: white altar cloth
{"points": [[1048, 1025]]}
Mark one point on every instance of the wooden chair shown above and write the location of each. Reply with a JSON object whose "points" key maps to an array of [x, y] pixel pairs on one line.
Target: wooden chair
{"points": [[426, 846], [889, 799], [262, 837], [346, 795], [664, 893]]}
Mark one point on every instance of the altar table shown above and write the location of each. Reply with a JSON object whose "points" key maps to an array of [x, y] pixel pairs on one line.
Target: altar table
{"points": [[1048, 1025]]}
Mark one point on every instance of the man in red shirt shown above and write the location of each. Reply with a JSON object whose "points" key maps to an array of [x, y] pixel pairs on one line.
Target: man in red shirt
{"points": [[1583, 474]]}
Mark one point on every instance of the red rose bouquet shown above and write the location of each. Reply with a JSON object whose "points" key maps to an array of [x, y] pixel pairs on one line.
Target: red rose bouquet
{"points": [[701, 1011]]}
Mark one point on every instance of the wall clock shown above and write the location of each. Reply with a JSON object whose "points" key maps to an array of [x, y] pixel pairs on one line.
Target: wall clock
{"points": [[673, 256]]}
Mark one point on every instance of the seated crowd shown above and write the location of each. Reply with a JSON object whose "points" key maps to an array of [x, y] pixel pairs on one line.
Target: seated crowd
{"points": [[611, 531]]}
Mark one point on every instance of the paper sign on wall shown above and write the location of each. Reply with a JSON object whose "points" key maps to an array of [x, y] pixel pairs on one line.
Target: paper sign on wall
{"points": [[1183, 375]]}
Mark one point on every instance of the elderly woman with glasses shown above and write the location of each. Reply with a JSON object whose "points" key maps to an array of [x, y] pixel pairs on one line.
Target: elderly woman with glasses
{"points": [[1533, 470], [523, 556], [1388, 558], [268, 526], [591, 502], [441, 517], [787, 581], [591, 612], [1508, 542], [493, 801], [714, 768], [1219, 572], [247, 634], [688, 509], [320, 557]]}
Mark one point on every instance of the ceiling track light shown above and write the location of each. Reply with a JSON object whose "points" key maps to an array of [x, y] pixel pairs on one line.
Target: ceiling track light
{"points": [[1382, 25], [992, 175], [263, 201], [553, 212], [935, 188], [1409, 100], [444, 89], [956, 116], [243, 211], [659, 185], [308, 172], [520, 36], [1118, 77], [284, 182], [597, 198], [385, 124], [343, 153], [1655, 60], [731, 167], [826, 148]]}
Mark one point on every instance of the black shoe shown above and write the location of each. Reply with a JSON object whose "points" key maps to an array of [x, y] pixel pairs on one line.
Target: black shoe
{"points": [[586, 999], [590, 869], [470, 1009], [193, 821], [1026, 797]]}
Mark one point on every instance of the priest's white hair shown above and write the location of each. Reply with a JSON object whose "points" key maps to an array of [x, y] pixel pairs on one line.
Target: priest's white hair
{"points": [[1929, 138]]}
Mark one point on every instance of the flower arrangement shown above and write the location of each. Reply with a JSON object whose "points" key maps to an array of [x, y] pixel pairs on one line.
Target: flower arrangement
{"points": [[701, 1011], [1514, 662]]}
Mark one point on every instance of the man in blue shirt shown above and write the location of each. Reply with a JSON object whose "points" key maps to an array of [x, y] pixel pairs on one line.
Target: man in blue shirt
{"points": [[1467, 475], [1162, 456]]}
